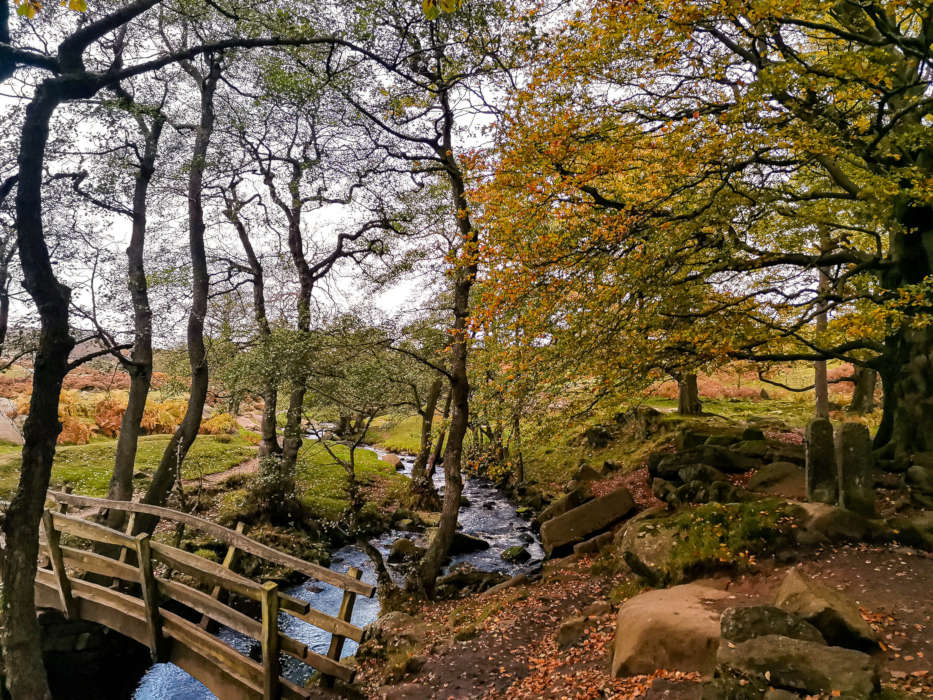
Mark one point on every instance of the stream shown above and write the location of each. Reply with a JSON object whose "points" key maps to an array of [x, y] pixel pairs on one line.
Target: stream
{"points": [[488, 515]]}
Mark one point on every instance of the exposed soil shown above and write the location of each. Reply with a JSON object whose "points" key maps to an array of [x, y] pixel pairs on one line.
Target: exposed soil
{"points": [[514, 653]]}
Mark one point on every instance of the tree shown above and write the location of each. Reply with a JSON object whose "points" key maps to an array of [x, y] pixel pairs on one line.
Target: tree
{"points": [[717, 145], [87, 60]]}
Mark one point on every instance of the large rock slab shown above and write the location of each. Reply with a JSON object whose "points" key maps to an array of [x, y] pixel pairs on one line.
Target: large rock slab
{"points": [[779, 479], [742, 624], [585, 520], [834, 615], [672, 629], [9, 432], [568, 501], [805, 667]]}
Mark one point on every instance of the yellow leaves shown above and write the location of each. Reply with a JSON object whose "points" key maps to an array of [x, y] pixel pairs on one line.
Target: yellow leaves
{"points": [[30, 8]]}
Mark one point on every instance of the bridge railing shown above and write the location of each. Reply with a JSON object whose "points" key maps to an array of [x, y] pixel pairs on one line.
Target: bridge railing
{"points": [[140, 607]]}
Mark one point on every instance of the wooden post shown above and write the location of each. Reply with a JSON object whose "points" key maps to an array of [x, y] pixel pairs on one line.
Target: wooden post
{"points": [[270, 641], [346, 612], [63, 507], [130, 524], [150, 597], [58, 566], [229, 559]]}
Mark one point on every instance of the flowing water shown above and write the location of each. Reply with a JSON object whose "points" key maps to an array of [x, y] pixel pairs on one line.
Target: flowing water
{"points": [[489, 515]]}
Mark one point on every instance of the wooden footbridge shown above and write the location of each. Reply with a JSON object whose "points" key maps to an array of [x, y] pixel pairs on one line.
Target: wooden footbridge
{"points": [[148, 602]]}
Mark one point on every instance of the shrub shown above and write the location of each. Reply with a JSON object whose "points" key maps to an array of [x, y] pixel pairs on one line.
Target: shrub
{"points": [[218, 424], [74, 432]]}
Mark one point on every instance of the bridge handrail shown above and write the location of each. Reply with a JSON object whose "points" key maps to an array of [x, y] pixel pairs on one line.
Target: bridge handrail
{"points": [[71, 591], [227, 536]]}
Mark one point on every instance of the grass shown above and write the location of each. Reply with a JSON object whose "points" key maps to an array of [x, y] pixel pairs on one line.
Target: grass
{"points": [[323, 482], [397, 433], [87, 468]]}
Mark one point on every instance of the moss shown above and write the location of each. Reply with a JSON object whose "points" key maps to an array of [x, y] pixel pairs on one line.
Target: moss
{"points": [[209, 554], [728, 535], [627, 589]]}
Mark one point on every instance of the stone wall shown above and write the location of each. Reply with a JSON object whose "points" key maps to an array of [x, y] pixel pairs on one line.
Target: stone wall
{"points": [[86, 661]]}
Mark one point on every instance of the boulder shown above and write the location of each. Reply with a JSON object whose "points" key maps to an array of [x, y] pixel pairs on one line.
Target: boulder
{"points": [[594, 544], [834, 615], [568, 501], [725, 460], [801, 666], [466, 544], [585, 520], [396, 630], [753, 434], [701, 472], [392, 459], [672, 628], [9, 432], [596, 608], [823, 522], [915, 530], [7, 407], [516, 554], [598, 436], [646, 544], [751, 448], [467, 579], [586, 473], [519, 580], [723, 440], [428, 518], [741, 624], [779, 479], [570, 631], [920, 478], [404, 549]]}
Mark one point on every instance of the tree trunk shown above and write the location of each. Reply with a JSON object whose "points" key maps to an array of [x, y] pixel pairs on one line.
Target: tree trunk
{"points": [[820, 380], [908, 370], [20, 632], [6, 257], [516, 454], [269, 442], [170, 465], [863, 393], [140, 366], [421, 490], [435, 458], [464, 277], [688, 396]]}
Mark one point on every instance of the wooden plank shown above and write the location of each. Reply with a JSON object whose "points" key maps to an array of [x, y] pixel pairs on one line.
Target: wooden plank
{"points": [[329, 623], [91, 531], [188, 633], [346, 612], [129, 605], [128, 531], [58, 566], [150, 595], [206, 571], [229, 537], [99, 564], [209, 607], [327, 667], [229, 559], [271, 668]]}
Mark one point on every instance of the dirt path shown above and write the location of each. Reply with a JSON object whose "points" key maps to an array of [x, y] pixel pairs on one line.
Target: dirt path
{"points": [[515, 655], [250, 466]]}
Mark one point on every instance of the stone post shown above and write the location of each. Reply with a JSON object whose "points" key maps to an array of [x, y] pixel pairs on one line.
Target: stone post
{"points": [[822, 481], [854, 462]]}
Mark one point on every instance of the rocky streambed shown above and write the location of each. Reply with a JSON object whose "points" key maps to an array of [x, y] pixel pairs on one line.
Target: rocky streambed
{"points": [[485, 514]]}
